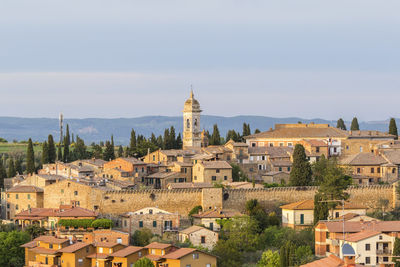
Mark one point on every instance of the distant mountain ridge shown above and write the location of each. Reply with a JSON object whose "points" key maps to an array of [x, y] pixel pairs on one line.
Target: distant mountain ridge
{"points": [[98, 129]]}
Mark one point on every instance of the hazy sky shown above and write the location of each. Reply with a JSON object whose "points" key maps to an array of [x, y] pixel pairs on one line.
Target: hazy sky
{"points": [[128, 58]]}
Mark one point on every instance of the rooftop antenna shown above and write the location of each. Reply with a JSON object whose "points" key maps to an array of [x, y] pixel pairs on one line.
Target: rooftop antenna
{"points": [[61, 121]]}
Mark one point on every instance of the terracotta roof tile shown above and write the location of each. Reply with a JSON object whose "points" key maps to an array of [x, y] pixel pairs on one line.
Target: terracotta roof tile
{"points": [[106, 244], [127, 251], [98, 256], [157, 245], [75, 247], [76, 212], [330, 261], [193, 229], [25, 189], [365, 158], [216, 165], [309, 205], [41, 250], [31, 244], [51, 239], [361, 235], [354, 227], [218, 214], [179, 253]]}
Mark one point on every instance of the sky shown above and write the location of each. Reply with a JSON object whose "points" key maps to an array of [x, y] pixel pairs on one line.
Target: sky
{"points": [[129, 58]]}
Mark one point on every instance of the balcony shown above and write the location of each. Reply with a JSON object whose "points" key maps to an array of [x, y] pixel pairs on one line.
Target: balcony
{"points": [[38, 264], [385, 251]]}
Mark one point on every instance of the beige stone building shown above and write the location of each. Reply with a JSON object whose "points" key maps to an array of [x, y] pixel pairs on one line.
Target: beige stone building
{"points": [[199, 236], [364, 141], [209, 218], [212, 172], [22, 197], [156, 220], [191, 124]]}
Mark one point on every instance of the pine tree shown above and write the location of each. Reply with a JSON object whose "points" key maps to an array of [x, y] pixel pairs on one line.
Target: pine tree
{"points": [[300, 174], [179, 142], [30, 158], [120, 152], [45, 153], [340, 124], [172, 138], [166, 139], [66, 156], [51, 149], [11, 168], [354, 125], [132, 143], [215, 137], [393, 128]]}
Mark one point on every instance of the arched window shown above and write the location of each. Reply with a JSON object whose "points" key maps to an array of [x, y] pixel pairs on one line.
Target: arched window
{"points": [[188, 123], [195, 122]]}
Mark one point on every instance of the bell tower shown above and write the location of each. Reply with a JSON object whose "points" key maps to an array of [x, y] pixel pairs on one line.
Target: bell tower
{"points": [[191, 123]]}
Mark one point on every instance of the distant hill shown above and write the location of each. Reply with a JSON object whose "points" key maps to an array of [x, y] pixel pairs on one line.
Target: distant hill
{"points": [[97, 129]]}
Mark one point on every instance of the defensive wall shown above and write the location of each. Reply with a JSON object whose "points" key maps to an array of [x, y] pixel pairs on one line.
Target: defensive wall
{"points": [[183, 200]]}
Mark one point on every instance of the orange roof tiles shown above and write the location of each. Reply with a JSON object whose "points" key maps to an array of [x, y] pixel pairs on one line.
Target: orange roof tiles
{"points": [[127, 251], [330, 261], [309, 205], [75, 247], [25, 189], [157, 245], [177, 254], [51, 239], [361, 235]]}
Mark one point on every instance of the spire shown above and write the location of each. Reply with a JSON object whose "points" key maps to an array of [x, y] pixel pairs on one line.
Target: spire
{"points": [[191, 91]]}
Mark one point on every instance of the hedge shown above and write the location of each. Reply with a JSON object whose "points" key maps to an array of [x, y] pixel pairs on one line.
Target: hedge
{"points": [[86, 223]]}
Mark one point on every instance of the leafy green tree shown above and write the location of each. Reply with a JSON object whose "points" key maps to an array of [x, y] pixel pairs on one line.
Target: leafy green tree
{"points": [[45, 153], [257, 131], [51, 149], [318, 170], [97, 151], [215, 137], [303, 255], [144, 262], [34, 230], [396, 250], [30, 158], [237, 173], [269, 258], [255, 211], [354, 125], [142, 238], [340, 124], [321, 210], [11, 168], [59, 153], [287, 254], [11, 254], [18, 166], [300, 174], [393, 128]]}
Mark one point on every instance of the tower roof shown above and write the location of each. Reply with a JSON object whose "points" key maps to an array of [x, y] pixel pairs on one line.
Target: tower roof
{"points": [[191, 104]]}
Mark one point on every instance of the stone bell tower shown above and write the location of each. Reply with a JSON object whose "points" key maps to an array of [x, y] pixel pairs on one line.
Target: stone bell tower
{"points": [[191, 124]]}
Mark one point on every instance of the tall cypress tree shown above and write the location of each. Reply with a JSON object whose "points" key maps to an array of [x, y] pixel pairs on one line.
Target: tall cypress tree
{"points": [[18, 166], [132, 143], [11, 168], [30, 158], [215, 137], [67, 136], [80, 149], [300, 174], [179, 142], [354, 125], [112, 147], [166, 140], [51, 149], [340, 124], [66, 156], [120, 152], [3, 174], [393, 128], [59, 153], [45, 153], [246, 129], [108, 152], [172, 138]]}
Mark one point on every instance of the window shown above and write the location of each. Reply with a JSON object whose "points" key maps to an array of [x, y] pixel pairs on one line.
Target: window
{"points": [[358, 170], [214, 178], [262, 157], [142, 169], [394, 170], [301, 218], [119, 240], [125, 223], [288, 169], [140, 254], [271, 144], [317, 149], [195, 177], [153, 251], [372, 170], [195, 122], [360, 181], [327, 248], [378, 170], [141, 224], [253, 144], [195, 256], [188, 265], [150, 211], [62, 191], [75, 193], [385, 259], [203, 239], [361, 149], [280, 169], [380, 237], [29, 206], [217, 170], [367, 260], [16, 196], [188, 123], [16, 207], [208, 265], [280, 144], [225, 177], [367, 247], [154, 223], [29, 196], [50, 245], [289, 144], [334, 150], [100, 250], [337, 214], [136, 169]]}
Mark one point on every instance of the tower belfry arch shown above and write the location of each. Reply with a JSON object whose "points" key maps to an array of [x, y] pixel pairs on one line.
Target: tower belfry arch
{"points": [[191, 123]]}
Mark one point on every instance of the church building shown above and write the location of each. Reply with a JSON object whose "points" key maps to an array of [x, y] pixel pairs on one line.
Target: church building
{"points": [[191, 124]]}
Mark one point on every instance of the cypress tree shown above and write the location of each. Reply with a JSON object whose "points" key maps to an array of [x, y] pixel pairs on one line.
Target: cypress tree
{"points": [[73, 139], [340, 124], [80, 149], [300, 174], [153, 139], [67, 136], [393, 128], [172, 138], [166, 139], [11, 168], [132, 143], [108, 152], [18, 166], [215, 137], [246, 129], [51, 149], [120, 152], [354, 125], [160, 141], [257, 131], [59, 153], [45, 153], [3, 174], [30, 158], [112, 148], [179, 142], [66, 156]]}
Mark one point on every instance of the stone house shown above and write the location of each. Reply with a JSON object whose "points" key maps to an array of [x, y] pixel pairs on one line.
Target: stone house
{"points": [[199, 236], [136, 168], [212, 172], [300, 214], [41, 180], [156, 220], [22, 197], [160, 180], [209, 218], [364, 141]]}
